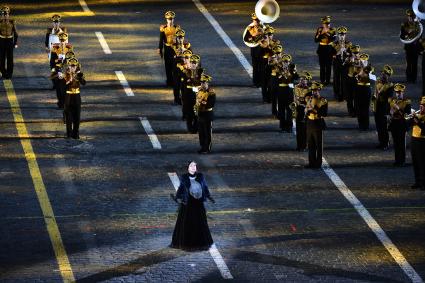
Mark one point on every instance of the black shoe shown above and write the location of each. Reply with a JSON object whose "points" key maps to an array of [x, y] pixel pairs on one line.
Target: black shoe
{"points": [[203, 151]]}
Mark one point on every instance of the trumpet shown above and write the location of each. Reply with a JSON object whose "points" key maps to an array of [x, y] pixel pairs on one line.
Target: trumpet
{"points": [[293, 107], [413, 114]]}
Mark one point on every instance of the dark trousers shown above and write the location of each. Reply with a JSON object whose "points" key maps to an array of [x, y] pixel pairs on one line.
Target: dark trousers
{"points": [[301, 135], [423, 75], [273, 88], [205, 130], [411, 63], [398, 132], [418, 160], [60, 86], [72, 115], [338, 80], [325, 62], [349, 89], [315, 142], [6, 57], [169, 62], [188, 101], [284, 97], [362, 102], [177, 86], [264, 79], [382, 128], [255, 58]]}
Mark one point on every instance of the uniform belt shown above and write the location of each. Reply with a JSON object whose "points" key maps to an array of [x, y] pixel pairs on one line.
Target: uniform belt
{"points": [[168, 44], [312, 116], [283, 85], [76, 91], [6, 36], [322, 43], [363, 84], [207, 110]]}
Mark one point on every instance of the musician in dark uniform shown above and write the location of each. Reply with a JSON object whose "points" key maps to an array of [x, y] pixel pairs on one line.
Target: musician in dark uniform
{"points": [[275, 62], [59, 50], [55, 30], [179, 47], [286, 78], [316, 109], [417, 145], [255, 33], [339, 54], [383, 91], [266, 45], [363, 92], [409, 30], [352, 65], [325, 35], [204, 107], [8, 41], [399, 106], [166, 39], [301, 90], [73, 78], [191, 81]]}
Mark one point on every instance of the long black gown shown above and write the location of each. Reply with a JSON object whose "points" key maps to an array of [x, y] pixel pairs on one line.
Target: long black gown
{"points": [[191, 231]]}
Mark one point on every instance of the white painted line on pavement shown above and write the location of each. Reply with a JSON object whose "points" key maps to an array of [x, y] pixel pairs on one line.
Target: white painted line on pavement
{"points": [[124, 83], [215, 254], [225, 37], [371, 222], [85, 7], [103, 42], [149, 131], [373, 225]]}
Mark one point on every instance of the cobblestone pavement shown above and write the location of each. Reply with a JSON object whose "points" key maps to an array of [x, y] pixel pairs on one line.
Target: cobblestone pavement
{"points": [[274, 221]]}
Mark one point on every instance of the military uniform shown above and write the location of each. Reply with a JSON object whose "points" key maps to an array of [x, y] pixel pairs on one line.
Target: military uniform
{"points": [[353, 67], [73, 99], [59, 50], [383, 91], [399, 106], [339, 54], [363, 93], [204, 108], [53, 32], [324, 50], [273, 87], [8, 41], [286, 76], [254, 31], [266, 52], [316, 109], [408, 29], [179, 48], [418, 146], [301, 91], [166, 40]]}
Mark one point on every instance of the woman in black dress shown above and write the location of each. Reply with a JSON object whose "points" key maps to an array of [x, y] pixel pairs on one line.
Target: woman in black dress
{"points": [[191, 231]]}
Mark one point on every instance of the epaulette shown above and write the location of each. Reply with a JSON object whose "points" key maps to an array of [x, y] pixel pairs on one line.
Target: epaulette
{"points": [[162, 27]]}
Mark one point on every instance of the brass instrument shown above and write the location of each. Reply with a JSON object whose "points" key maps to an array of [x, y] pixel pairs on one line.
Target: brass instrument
{"points": [[253, 41], [201, 99], [418, 5], [413, 32], [413, 114], [293, 106]]}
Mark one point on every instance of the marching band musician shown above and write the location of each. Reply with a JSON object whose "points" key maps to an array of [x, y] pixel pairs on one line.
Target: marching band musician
{"points": [[325, 35], [383, 91], [363, 92], [274, 63], [409, 28], [399, 106], [316, 108], [60, 49], [191, 81], [417, 120], [52, 33], [180, 73], [8, 41], [301, 90], [286, 76], [179, 47], [352, 63], [266, 45], [339, 52], [255, 32], [73, 78], [204, 106], [166, 40]]}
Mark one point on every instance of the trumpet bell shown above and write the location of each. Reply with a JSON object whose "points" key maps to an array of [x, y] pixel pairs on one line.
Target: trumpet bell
{"points": [[267, 11], [246, 39]]}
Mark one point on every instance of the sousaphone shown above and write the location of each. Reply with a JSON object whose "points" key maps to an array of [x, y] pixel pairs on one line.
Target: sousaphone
{"points": [[412, 36]]}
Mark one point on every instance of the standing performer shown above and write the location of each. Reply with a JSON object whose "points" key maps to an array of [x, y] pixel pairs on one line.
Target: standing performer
{"points": [[409, 29], [266, 44], [60, 49], [302, 89], [399, 107], [275, 62], [316, 109], [325, 35], [8, 41], [339, 52], [205, 101], [418, 146], [191, 231], [191, 81], [286, 77], [383, 91], [254, 34], [74, 78], [179, 47], [363, 92], [53, 32], [166, 40], [353, 66]]}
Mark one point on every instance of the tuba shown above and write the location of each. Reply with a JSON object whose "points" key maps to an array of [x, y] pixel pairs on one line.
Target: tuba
{"points": [[414, 33]]}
